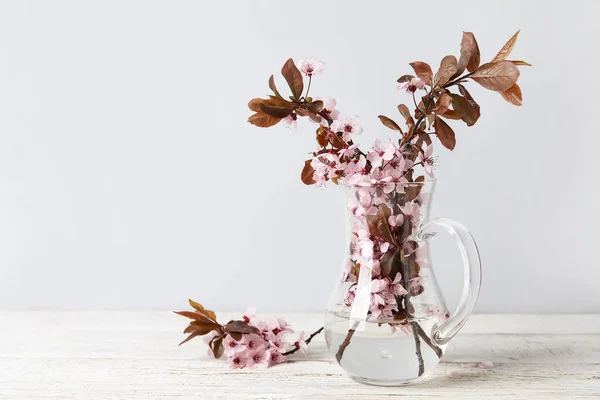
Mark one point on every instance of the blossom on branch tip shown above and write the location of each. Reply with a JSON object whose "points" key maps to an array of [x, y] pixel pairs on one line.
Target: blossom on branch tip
{"points": [[310, 66]]}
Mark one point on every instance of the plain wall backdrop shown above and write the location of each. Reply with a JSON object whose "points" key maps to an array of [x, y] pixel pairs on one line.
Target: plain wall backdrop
{"points": [[129, 177]]}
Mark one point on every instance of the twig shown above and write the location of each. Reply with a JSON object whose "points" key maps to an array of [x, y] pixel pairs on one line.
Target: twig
{"points": [[315, 333], [438, 351], [418, 347], [346, 342]]}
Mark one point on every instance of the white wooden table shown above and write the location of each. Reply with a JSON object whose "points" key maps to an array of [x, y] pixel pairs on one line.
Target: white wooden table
{"points": [[134, 355]]}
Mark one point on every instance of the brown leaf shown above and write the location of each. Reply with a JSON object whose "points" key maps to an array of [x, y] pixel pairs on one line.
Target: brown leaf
{"points": [[273, 87], [471, 101], [193, 335], [195, 316], [443, 104], [254, 103], [521, 63], [444, 133], [378, 223], [448, 68], [423, 71], [406, 114], [241, 327], [389, 123], [450, 114], [293, 77], [469, 54], [263, 120], [198, 307], [314, 106], [202, 328], [405, 78], [308, 173], [497, 76], [389, 262], [277, 112], [412, 191], [505, 51], [513, 95], [464, 108], [217, 348]]}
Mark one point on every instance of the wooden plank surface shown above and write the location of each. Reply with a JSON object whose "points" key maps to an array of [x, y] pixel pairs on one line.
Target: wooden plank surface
{"points": [[134, 355]]}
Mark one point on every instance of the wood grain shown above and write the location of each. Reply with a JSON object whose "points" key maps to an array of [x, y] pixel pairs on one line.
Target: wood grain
{"points": [[134, 355]]}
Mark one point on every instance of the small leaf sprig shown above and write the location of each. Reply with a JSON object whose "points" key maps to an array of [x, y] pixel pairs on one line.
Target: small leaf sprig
{"points": [[249, 342]]}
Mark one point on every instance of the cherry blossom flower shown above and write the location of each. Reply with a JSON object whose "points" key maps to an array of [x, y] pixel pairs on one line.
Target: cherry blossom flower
{"points": [[363, 252], [301, 344], [428, 161], [310, 66], [412, 85], [258, 358], [277, 342], [396, 221], [254, 341], [348, 126], [411, 211], [291, 122], [329, 105], [232, 346], [250, 311], [238, 360], [380, 153], [276, 358], [348, 152], [396, 287]]}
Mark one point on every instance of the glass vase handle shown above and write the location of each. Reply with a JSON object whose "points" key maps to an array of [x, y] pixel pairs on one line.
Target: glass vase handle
{"points": [[442, 333]]}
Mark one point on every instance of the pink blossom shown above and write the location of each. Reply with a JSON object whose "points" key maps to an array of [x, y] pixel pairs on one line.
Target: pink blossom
{"points": [[290, 122], [232, 346], [348, 152], [411, 211], [348, 126], [428, 161], [396, 287], [356, 172], [396, 220], [383, 247], [238, 360], [329, 105], [455, 374], [412, 85], [301, 344], [310, 66], [258, 358], [380, 153], [253, 341], [276, 341], [363, 252], [276, 358]]}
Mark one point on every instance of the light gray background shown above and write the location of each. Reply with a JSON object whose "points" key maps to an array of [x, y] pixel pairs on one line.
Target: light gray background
{"points": [[129, 177]]}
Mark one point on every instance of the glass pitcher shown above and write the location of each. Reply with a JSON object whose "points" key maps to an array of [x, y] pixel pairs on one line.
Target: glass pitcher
{"points": [[387, 322]]}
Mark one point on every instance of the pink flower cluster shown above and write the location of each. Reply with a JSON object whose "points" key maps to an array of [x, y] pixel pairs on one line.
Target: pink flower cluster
{"points": [[264, 350]]}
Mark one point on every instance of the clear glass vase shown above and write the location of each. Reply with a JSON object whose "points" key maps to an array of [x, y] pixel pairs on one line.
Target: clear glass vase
{"points": [[387, 322]]}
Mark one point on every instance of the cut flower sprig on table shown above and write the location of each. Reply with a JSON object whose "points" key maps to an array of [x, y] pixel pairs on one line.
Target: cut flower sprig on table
{"points": [[386, 181], [248, 342]]}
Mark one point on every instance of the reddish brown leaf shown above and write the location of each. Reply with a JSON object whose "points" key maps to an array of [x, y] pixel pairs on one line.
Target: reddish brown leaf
{"points": [[448, 68], [314, 106], [308, 173], [217, 348], [405, 78], [497, 76], [273, 87], [444, 133], [253, 104], [389, 262], [513, 95], [406, 114], [263, 120], [450, 114], [464, 108], [471, 101], [194, 315], [241, 327], [469, 54], [190, 337], [293, 77], [273, 111], [442, 104], [520, 63], [198, 307], [412, 191], [423, 71], [505, 51], [378, 223], [389, 123]]}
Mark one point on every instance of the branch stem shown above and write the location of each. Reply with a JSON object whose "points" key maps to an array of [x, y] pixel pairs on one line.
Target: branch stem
{"points": [[295, 349], [346, 342]]}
